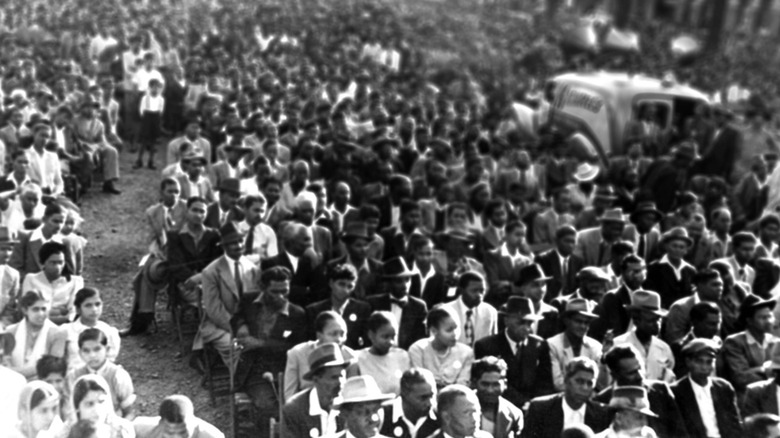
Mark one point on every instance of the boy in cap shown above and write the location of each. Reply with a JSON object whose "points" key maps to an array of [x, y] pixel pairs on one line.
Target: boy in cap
{"points": [[710, 404]]}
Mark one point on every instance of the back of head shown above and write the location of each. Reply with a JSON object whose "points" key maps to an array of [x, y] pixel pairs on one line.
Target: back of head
{"points": [[176, 409], [577, 431]]}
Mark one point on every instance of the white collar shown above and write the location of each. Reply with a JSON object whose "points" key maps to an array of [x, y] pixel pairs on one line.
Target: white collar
{"points": [[314, 404], [706, 388], [566, 408], [416, 270], [513, 343], [37, 234], [361, 267]]}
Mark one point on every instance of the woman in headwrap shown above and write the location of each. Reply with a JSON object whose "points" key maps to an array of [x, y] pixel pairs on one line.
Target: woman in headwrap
{"points": [[92, 401], [39, 412], [35, 335]]}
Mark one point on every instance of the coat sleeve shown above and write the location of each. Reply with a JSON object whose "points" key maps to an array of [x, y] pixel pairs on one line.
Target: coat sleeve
{"points": [[544, 378], [177, 263], [213, 306], [752, 404], [556, 366], [291, 384], [533, 422], [677, 322], [738, 369]]}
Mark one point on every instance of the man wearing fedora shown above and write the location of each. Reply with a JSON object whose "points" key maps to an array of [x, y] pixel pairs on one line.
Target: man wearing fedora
{"points": [[500, 418], [194, 183], [744, 353], [603, 198], [561, 263], [646, 315], [549, 415], [233, 165], [547, 223], [398, 237], [226, 208], [573, 341], [761, 397], [532, 283], [411, 414], [169, 215], [671, 275], [643, 230], [311, 412], [191, 135], [631, 409], [592, 283], [410, 312], [594, 245], [369, 270], [625, 367], [455, 257], [360, 407], [527, 356], [709, 404], [226, 281]]}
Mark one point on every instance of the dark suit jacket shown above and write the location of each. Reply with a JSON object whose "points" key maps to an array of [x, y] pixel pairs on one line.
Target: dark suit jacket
{"points": [[385, 206], [724, 399], [661, 279], [722, 153], [390, 427], [669, 423], [435, 289], [661, 180], [760, 397], [297, 422], [212, 215], [612, 314], [395, 245], [529, 377], [24, 257], [300, 285], [412, 327], [355, 315], [551, 266], [545, 417], [185, 259]]}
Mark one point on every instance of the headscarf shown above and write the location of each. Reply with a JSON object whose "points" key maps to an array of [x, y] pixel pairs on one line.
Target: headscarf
{"points": [[25, 408], [101, 382]]}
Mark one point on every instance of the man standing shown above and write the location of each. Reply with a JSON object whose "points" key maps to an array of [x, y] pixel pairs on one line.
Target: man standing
{"points": [[744, 353], [573, 342], [612, 310], [191, 135], [529, 372], [646, 314], [310, 413], [549, 415], [561, 264], [477, 318], [500, 418], [226, 281], [626, 369], [547, 223], [409, 312], [411, 415], [297, 256], [532, 283], [710, 404], [643, 232]]}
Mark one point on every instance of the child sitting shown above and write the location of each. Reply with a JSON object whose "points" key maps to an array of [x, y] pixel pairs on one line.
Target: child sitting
{"points": [[383, 361], [89, 309], [53, 371], [92, 402], [93, 348], [441, 353]]}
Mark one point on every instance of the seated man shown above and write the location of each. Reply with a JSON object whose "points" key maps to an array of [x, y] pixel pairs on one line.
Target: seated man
{"points": [[169, 215], [225, 209], [296, 254], [226, 281], [459, 413], [190, 250], [177, 418], [266, 326], [360, 405], [503, 263], [761, 396], [9, 279], [16, 212], [500, 418], [194, 183], [90, 133], [311, 412], [709, 287], [573, 342], [260, 238], [549, 415], [411, 414], [477, 318]]}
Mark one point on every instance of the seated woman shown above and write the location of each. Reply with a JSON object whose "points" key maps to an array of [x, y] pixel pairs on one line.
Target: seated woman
{"points": [[330, 327], [55, 282], [35, 335], [383, 361], [39, 412], [441, 353], [92, 401], [89, 309]]}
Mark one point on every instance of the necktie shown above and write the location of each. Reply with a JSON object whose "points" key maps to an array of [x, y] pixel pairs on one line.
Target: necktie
{"points": [[641, 250], [250, 240], [399, 303], [742, 274], [520, 351], [602, 254], [468, 327], [168, 220], [239, 283], [564, 274], [222, 217]]}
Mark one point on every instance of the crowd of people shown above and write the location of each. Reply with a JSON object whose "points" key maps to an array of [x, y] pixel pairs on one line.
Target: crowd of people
{"points": [[369, 252]]}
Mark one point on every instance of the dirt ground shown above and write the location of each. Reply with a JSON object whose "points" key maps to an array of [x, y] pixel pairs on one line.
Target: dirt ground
{"points": [[116, 231]]}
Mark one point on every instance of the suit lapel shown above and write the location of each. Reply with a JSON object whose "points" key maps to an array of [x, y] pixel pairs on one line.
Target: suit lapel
{"points": [[687, 388], [228, 277], [35, 247]]}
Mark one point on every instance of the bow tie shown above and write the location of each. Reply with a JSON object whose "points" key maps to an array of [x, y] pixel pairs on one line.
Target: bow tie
{"points": [[399, 302]]}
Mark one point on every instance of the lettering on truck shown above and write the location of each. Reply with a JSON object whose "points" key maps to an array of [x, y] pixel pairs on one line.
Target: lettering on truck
{"points": [[570, 96]]}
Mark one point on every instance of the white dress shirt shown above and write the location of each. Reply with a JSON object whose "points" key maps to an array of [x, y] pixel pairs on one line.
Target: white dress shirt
{"points": [[706, 407], [327, 419], [293, 261], [572, 416]]}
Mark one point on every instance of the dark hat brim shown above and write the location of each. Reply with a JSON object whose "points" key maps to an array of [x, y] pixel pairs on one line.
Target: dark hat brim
{"points": [[665, 240], [659, 312]]}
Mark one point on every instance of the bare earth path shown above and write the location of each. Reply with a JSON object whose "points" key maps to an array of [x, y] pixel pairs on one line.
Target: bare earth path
{"points": [[116, 231]]}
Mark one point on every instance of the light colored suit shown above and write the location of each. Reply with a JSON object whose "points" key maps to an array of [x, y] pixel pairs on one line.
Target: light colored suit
{"points": [[546, 224], [744, 359], [484, 318], [221, 299], [589, 247], [561, 353], [155, 218]]}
